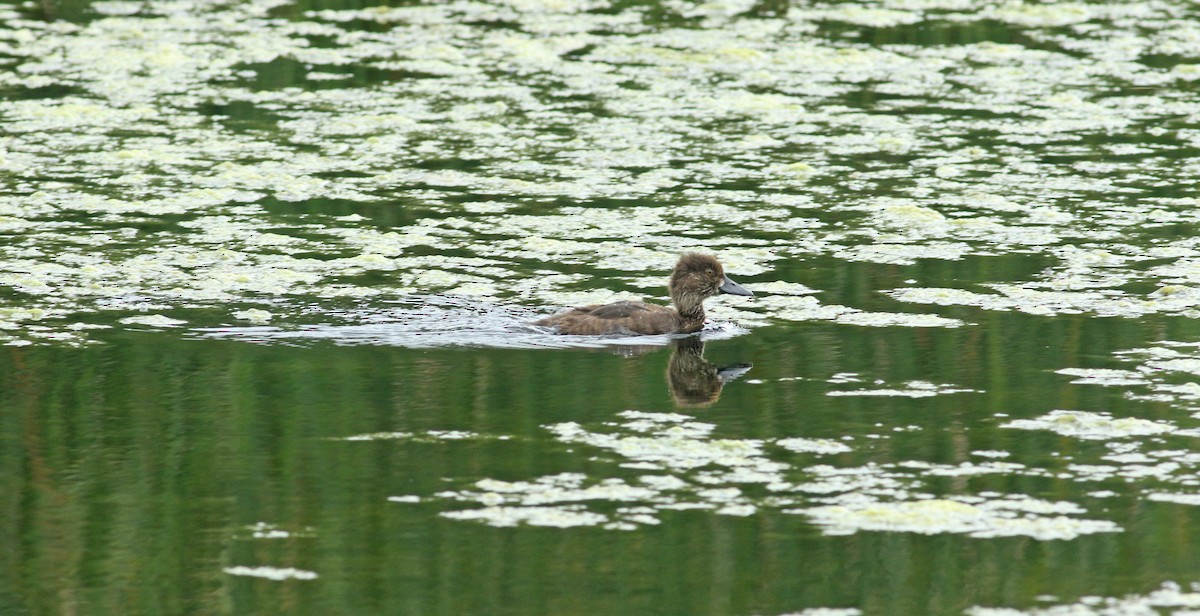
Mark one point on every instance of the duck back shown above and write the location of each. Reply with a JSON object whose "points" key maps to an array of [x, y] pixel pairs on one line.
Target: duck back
{"points": [[630, 318]]}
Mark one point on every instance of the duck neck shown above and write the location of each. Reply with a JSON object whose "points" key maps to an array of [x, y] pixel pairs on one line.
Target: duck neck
{"points": [[689, 305]]}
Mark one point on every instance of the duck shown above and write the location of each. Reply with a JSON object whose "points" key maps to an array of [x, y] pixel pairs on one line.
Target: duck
{"points": [[696, 277]]}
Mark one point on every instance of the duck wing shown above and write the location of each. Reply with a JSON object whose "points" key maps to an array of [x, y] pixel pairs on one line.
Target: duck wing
{"points": [[615, 318], [619, 310]]}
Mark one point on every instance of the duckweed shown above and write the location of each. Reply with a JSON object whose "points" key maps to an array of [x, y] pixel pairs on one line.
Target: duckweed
{"points": [[155, 73]]}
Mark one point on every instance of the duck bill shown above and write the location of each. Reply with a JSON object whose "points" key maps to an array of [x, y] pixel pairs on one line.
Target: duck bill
{"points": [[729, 373], [733, 288]]}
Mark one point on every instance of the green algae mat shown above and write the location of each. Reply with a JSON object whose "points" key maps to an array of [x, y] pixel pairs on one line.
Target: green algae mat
{"points": [[267, 270]]}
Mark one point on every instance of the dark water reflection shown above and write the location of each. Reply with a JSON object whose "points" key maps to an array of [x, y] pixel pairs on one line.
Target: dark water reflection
{"points": [[133, 471], [693, 380]]}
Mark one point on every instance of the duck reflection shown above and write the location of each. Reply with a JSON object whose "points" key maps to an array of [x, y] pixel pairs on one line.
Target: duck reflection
{"points": [[693, 380]]}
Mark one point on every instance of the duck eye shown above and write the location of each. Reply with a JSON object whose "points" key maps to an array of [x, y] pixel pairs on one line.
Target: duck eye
{"points": [[709, 272]]}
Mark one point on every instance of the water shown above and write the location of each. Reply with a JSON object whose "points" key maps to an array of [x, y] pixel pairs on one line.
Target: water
{"points": [[153, 458], [267, 270]]}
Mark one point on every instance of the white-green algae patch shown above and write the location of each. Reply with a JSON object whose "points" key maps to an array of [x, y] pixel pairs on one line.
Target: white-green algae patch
{"points": [[147, 188], [277, 574], [1092, 426], [911, 389], [1170, 598], [826, 611], [265, 530], [1164, 372], [1003, 517], [153, 320], [680, 465]]}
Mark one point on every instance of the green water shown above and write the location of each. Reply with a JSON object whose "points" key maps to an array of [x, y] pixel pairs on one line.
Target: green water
{"points": [[267, 268], [133, 469]]}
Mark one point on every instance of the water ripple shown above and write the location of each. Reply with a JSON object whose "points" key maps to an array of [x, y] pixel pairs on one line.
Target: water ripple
{"points": [[442, 321]]}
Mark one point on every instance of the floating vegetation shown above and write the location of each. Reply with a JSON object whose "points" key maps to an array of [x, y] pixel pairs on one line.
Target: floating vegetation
{"points": [[428, 436], [688, 469], [1162, 373], [159, 196], [1093, 426], [826, 611], [560, 517], [1169, 595], [253, 315], [153, 320], [272, 573], [264, 530], [1104, 376], [808, 445], [911, 389], [982, 518]]}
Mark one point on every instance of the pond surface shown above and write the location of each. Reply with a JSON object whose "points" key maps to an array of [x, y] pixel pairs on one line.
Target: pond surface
{"points": [[267, 269]]}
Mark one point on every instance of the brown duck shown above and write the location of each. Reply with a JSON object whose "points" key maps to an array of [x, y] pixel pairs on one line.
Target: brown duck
{"points": [[696, 277]]}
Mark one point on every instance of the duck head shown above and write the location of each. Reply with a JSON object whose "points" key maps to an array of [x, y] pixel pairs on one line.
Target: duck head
{"points": [[702, 276], [696, 278]]}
